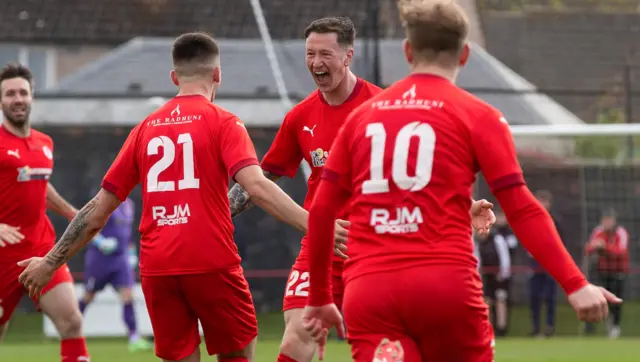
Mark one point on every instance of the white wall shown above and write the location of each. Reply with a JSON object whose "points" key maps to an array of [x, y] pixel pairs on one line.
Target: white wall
{"points": [[103, 318]]}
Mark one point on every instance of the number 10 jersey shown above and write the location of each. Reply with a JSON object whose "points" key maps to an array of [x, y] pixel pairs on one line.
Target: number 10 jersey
{"points": [[183, 155], [409, 156]]}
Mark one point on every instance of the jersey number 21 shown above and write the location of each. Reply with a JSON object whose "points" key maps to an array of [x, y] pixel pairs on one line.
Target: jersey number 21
{"points": [[189, 181]]}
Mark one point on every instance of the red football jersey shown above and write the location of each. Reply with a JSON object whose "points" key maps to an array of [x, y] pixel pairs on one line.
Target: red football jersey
{"points": [[307, 132], [616, 256], [183, 155], [409, 156], [25, 167]]}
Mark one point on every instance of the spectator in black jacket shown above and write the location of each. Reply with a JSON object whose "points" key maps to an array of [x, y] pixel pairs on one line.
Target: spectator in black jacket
{"points": [[495, 261]]}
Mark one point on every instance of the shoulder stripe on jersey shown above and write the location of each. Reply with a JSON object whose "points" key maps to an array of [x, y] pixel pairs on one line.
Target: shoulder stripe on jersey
{"points": [[278, 171], [505, 182]]}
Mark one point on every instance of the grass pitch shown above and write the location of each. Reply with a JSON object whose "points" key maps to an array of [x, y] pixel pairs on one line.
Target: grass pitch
{"points": [[26, 343]]}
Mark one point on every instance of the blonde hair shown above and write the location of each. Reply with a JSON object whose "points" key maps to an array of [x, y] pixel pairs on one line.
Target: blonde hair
{"points": [[436, 29]]}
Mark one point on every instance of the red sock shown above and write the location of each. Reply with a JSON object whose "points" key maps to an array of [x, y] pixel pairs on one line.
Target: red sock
{"points": [[234, 359], [74, 350], [283, 358]]}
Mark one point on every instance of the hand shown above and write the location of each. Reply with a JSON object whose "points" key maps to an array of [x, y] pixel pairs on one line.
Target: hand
{"points": [[341, 235], [317, 321], [134, 261], [36, 276], [598, 244], [106, 245], [591, 303], [9, 235], [482, 218]]}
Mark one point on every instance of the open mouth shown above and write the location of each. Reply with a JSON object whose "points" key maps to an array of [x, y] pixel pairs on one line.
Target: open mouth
{"points": [[19, 111], [321, 76]]}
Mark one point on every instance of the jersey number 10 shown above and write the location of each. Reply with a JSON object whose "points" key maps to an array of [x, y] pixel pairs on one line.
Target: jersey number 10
{"points": [[424, 163], [189, 181]]}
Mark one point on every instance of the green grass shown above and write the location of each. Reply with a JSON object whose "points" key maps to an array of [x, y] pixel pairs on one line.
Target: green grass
{"points": [[509, 350], [25, 342]]}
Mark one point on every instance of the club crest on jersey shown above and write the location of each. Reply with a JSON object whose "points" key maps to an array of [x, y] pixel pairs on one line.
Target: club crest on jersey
{"points": [[319, 157], [27, 173], [47, 152], [389, 351]]}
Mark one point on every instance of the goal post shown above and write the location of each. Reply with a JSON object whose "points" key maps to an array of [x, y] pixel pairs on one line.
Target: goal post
{"points": [[587, 168], [274, 64]]}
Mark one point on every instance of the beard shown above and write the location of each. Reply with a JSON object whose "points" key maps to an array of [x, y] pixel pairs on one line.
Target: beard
{"points": [[17, 121]]}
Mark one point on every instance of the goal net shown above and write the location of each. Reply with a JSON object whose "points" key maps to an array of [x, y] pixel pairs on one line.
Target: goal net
{"points": [[587, 169]]}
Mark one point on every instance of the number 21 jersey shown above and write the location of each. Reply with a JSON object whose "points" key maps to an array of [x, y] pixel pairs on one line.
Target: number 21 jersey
{"points": [[410, 156], [183, 155]]}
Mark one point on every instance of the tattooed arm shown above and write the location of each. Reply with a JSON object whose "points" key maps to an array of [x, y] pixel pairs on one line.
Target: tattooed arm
{"points": [[239, 199], [84, 226], [58, 204]]}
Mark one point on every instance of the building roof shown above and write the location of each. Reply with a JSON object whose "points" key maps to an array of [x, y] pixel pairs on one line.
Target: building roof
{"points": [[141, 67]]}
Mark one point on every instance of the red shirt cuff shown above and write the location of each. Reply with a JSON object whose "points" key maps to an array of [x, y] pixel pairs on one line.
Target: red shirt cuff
{"points": [[276, 170], [114, 189], [574, 284], [233, 170], [320, 298]]}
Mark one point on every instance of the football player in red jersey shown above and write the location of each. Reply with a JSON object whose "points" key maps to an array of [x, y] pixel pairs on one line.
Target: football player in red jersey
{"points": [[307, 133], [406, 161], [26, 163], [183, 155]]}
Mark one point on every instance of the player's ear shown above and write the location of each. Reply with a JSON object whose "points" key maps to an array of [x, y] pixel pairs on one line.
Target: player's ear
{"points": [[464, 56], [217, 75], [349, 57], [174, 77], [408, 52]]}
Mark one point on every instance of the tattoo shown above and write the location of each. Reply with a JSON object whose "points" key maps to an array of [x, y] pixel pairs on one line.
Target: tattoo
{"points": [[239, 200], [78, 233]]}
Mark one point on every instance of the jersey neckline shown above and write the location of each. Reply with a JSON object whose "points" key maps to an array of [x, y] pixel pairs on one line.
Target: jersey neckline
{"points": [[354, 93]]}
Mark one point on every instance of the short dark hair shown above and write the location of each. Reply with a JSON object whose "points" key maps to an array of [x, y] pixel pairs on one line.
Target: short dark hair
{"points": [[14, 70], [342, 26], [434, 27], [194, 52]]}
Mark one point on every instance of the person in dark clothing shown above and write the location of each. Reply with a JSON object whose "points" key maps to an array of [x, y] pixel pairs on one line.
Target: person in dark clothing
{"points": [[542, 287], [495, 261], [609, 242]]}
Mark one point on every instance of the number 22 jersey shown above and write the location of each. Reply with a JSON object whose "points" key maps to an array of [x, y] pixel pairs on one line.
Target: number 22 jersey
{"points": [[409, 157], [183, 154]]}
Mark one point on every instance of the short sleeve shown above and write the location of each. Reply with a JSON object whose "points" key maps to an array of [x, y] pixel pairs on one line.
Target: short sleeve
{"points": [[495, 151], [236, 147], [284, 156], [124, 175], [338, 167]]}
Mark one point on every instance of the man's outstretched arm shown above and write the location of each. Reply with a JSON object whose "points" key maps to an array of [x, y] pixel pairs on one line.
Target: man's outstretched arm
{"points": [[239, 199], [84, 226], [58, 204]]}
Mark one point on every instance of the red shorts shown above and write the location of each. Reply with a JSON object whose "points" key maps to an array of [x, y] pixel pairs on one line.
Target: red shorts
{"points": [[220, 300], [297, 291], [11, 291], [430, 313]]}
